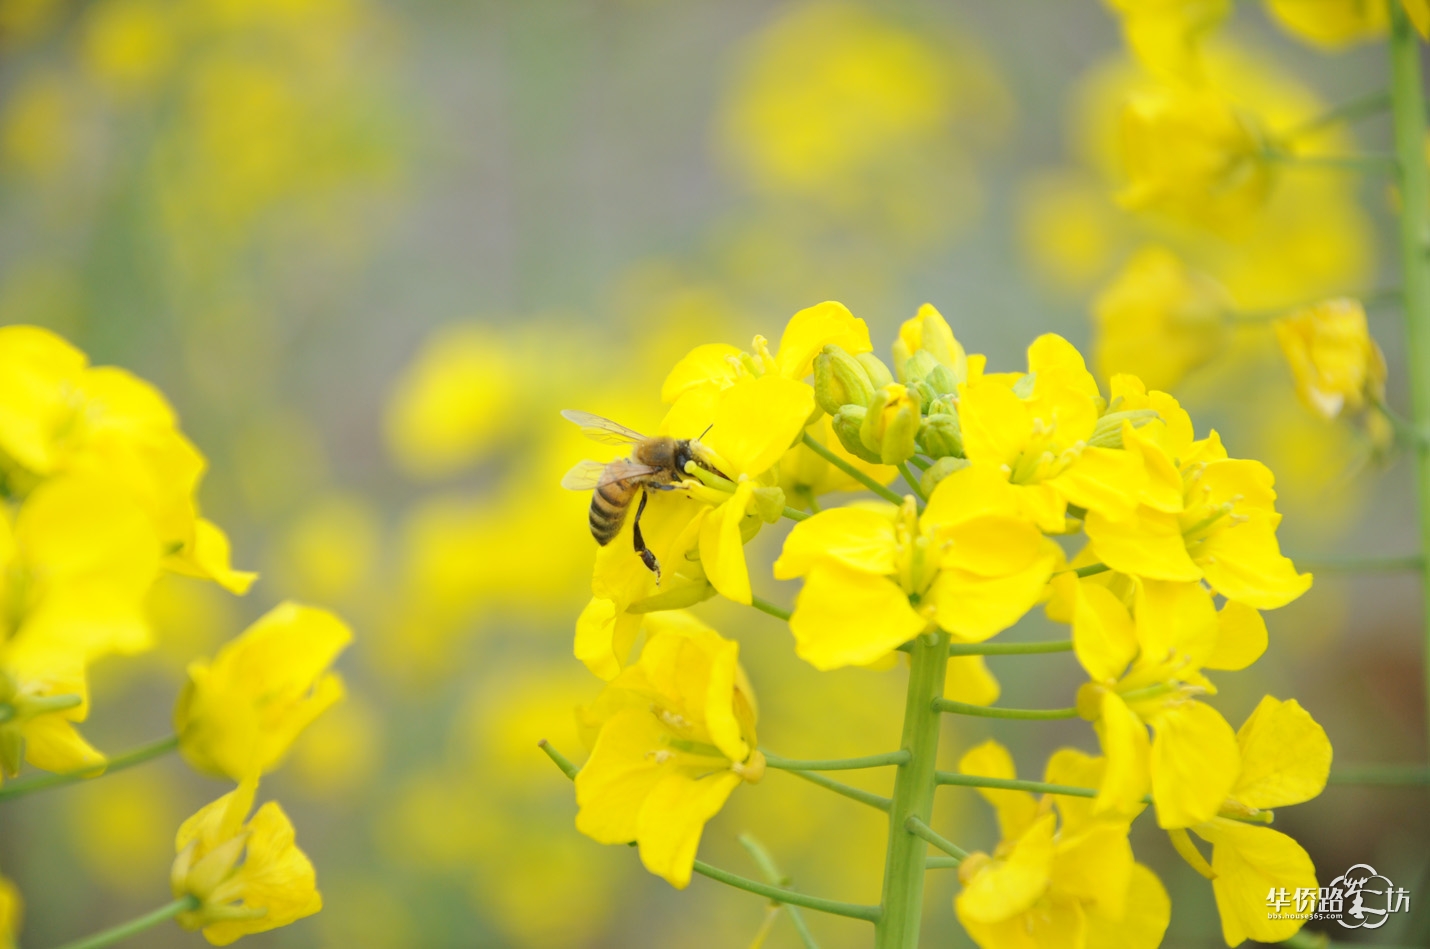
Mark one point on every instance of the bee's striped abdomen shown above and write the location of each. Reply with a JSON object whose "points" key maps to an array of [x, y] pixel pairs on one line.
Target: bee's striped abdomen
{"points": [[609, 503]]}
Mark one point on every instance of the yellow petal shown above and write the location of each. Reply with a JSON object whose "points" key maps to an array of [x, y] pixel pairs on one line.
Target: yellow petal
{"points": [[845, 617], [757, 421], [1050, 356], [1250, 861], [1241, 637], [1104, 637], [1016, 809], [1285, 756], [208, 556], [726, 732], [1095, 865], [722, 547], [1053, 922], [1076, 769], [53, 744], [996, 424], [975, 608], [811, 329], [967, 679], [1143, 922], [712, 363], [1104, 479], [1147, 545], [1124, 743], [604, 637], [859, 538], [619, 776], [1244, 563], [1194, 762], [1011, 884], [673, 818], [1176, 622]]}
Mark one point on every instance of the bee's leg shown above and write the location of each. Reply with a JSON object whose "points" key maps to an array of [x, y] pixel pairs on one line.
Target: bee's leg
{"points": [[646, 556]]}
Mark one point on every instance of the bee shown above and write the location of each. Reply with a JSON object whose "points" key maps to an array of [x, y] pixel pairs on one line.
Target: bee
{"points": [[655, 464]]}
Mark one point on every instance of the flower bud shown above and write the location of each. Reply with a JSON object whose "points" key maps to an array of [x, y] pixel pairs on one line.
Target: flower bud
{"points": [[917, 367], [940, 436], [847, 424], [839, 380], [769, 503], [879, 374], [891, 424], [938, 471], [928, 332]]}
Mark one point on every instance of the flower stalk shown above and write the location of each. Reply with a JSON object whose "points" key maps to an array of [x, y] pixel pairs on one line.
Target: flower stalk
{"points": [[123, 931], [148, 752]]}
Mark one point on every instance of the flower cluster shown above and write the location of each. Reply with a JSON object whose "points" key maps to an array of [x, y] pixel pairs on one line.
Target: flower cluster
{"points": [[1179, 556], [97, 500]]}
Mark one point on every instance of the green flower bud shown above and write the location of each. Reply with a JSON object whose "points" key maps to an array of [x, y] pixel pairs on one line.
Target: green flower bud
{"points": [[770, 503], [1108, 431], [942, 380], [918, 366], [938, 471], [839, 380], [940, 436], [847, 424], [891, 424], [879, 374]]}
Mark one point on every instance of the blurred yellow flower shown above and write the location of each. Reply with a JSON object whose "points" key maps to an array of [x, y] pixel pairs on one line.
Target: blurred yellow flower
{"points": [[875, 576], [1194, 156], [1158, 319], [129, 44], [338, 753], [240, 713], [1331, 24], [330, 549], [38, 133], [1166, 34], [1337, 366], [676, 737], [11, 912], [247, 876], [120, 828], [1068, 227]]}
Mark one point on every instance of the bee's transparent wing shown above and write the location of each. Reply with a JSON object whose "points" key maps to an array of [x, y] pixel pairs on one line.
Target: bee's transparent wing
{"points": [[601, 429], [586, 475]]}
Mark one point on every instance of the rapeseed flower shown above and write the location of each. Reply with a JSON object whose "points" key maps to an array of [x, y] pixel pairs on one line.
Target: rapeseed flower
{"points": [[1331, 24], [1337, 365], [676, 735], [1166, 35], [1051, 886], [877, 575], [240, 713], [1159, 320], [245, 875], [11, 912]]}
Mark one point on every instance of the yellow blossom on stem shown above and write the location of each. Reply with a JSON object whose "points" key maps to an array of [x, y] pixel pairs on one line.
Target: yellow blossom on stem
{"points": [[1166, 35], [246, 876], [1039, 428], [1158, 320], [59, 415], [1192, 155], [877, 575], [1285, 759], [240, 713], [1331, 24], [676, 735], [1337, 365]]}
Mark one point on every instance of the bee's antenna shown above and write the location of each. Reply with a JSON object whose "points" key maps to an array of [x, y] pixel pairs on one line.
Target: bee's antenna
{"points": [[706, 432]]}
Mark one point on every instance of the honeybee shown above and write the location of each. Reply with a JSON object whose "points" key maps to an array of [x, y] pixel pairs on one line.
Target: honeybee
{"points": [[655, 464]]}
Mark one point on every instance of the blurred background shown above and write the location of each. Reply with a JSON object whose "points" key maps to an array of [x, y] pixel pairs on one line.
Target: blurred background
{"points": [[370, 249]]}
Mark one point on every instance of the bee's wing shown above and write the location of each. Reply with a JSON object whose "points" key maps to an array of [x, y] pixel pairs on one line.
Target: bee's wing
{"points": [[601, 429], [585, 475]]}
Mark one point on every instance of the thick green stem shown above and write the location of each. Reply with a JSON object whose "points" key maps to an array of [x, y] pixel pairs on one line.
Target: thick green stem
{"points": [[135, 926], [851, 471], [1408, 109], [913, 797], [984, 711], [143, 753]]}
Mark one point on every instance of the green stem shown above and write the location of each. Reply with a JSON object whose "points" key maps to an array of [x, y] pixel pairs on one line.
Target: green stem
{"points": [[877, 801], [795, 515], [837, 764], [772, 873], [913, 797], [912, 482], [984, 711], [1379, 164], [1350, 110], [765, 606], [109, 937], [942, 863], [1010, 649], [129, 759], [1011, 784], [920, 829], [1408, 109], [1092, 570], [1358, 564], [850, 470], [562, 762], [1389, 775], [788, 896]]}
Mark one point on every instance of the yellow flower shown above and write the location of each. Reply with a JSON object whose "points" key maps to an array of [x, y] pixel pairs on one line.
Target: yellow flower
{"points": [[1285, 759], [1331, 24], [877, 575], [1192, 155], [44, 692], [676, 737], [240, 713], [1165, 34], [1145, 668], [1336, 364], [247, 876], [58, 415], [928, 332], [1158, 319], [1052, 887], [11, 912], [1221, 529], [1038, 429]]}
